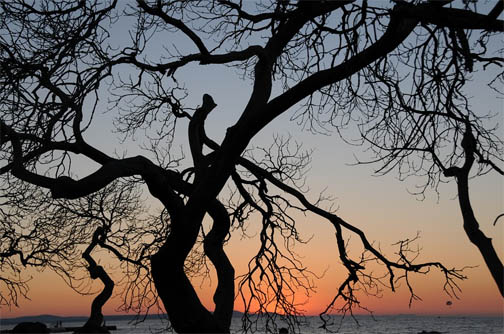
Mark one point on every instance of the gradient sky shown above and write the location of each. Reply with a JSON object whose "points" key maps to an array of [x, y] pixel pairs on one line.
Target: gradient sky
{"points": [[380, 206]]}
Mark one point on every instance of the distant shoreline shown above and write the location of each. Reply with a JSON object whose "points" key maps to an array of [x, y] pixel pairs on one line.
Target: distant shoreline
{"points": [[49, 318]]}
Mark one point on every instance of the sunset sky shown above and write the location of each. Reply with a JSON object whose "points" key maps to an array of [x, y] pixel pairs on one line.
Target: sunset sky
{"points": [[381, 206]]}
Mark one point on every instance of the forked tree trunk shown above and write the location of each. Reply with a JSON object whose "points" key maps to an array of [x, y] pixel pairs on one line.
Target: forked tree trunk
{"points": [[185, 310]]}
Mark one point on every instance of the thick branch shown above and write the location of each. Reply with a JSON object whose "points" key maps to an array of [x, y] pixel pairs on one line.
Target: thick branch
{"points": [[403, 20], [158, 180], [398, 29], [455, 18], [197, 132], [203, 59]]}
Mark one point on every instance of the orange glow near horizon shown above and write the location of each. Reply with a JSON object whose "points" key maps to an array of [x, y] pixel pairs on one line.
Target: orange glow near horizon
{"points": [[50, 295], [479, 296]]}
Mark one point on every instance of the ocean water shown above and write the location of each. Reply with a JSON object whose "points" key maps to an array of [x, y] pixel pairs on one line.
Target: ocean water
{"points": [[368, 325], [401, 324]]}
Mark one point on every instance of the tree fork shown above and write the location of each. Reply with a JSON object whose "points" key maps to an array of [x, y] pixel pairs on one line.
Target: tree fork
{"points": [[183, 306]]}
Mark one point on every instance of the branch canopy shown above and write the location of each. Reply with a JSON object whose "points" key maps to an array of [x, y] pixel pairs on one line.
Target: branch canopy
{"points": [[97, 96]]}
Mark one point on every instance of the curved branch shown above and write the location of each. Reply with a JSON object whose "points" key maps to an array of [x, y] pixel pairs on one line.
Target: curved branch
{"points": [[159, 181], [176, 23], [456, 18], [403, 19], [203, 59], [398, 29], [497, 218], [197, 132]]}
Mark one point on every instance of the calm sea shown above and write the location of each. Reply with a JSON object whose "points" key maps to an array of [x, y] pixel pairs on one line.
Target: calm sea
{"points": [[401, 324]]}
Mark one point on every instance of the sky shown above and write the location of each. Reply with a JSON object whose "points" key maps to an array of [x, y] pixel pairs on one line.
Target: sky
{"points": [[381, 206]]}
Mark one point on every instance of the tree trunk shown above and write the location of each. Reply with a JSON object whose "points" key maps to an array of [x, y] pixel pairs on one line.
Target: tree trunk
{"points": [[184, 308], [95, 322], [471, 226], [213, 246], [476, 236]]}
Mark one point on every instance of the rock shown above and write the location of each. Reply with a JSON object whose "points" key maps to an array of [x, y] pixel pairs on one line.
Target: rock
{"points": [[30, 327]]}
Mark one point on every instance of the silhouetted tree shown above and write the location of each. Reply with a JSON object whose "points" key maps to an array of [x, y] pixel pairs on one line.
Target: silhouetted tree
{"points": [[41, 232], [332, 59], [32, 239], [94, 324]]}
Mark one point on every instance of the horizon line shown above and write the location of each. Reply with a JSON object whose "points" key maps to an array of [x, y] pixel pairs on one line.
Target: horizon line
{"points": [[305, 315]]}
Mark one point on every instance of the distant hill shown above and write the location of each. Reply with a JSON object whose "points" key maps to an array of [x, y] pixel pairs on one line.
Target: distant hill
{"points": [[52, 319]]}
